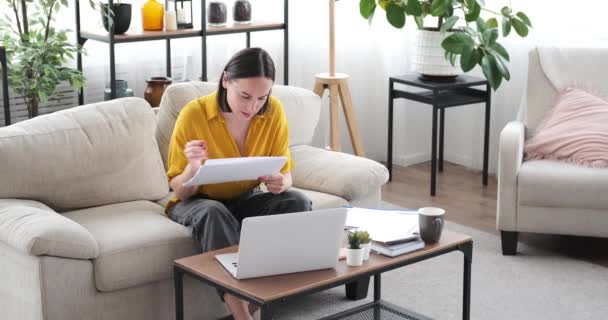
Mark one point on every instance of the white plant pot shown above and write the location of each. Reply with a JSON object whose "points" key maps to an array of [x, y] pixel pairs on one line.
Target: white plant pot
{"points": [[366, 248], [354, 257], [429, 58]]}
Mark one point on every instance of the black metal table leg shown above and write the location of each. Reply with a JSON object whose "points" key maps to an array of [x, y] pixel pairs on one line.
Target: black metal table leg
{"points": [[178, 278], [377, 287], [486, 135], [467, 250], [389, 154], [265, 312], [248, 39], [168, 57], [441, 134], [434, 151]]}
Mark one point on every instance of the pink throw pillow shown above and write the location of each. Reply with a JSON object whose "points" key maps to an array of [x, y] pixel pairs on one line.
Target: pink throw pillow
{"points": [[574, 131]]}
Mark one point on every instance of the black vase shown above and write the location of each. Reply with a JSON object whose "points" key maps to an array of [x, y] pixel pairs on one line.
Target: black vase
{"points": [[122, 17], [217, 13], [242, 11]]}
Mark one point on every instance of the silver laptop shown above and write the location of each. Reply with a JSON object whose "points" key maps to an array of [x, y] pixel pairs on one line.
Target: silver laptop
{"points": [[287, 243]]}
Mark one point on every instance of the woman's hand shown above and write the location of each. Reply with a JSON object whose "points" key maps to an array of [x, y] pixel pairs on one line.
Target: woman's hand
{"points": [[277, 183], [196, 152]]}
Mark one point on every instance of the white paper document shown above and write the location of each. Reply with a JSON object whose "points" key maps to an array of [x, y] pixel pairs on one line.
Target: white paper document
{"points": [[236, 169], [386, 226]]}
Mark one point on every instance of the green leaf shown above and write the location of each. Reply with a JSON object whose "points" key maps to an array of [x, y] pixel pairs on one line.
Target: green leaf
{"points": [[413, 8], [395, 16], [524, 18], [438, 7], [469, 59], [490, 36], [502, 65], [371, 18], [481, 25], [492, 23], [506, 26], [419, 21], [490, 71], [500, 50], [448, 24], [473, 13], [367, 8], [520, 27], [506, 11], [457, 43]]}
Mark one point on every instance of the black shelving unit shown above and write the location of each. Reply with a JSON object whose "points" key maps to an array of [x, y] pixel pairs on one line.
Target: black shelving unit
{"points": [[7, 108], [112, 39]]}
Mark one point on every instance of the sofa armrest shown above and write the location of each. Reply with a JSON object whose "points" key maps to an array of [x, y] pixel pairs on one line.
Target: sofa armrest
{"points": [[510, 157], [33, 228], [341, 174]]}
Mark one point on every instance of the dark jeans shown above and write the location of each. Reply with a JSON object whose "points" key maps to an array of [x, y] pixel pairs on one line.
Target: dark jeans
{"points": [[216, 224]]}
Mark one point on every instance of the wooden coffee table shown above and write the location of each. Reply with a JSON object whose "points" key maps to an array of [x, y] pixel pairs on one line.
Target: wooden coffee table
{"points": [[266, 291]]}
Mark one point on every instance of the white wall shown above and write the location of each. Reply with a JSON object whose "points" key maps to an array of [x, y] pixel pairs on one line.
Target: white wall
{"points": [[370, 54]]}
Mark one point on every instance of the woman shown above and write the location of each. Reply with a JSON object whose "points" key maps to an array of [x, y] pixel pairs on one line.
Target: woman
{"points": [[241, 119]]}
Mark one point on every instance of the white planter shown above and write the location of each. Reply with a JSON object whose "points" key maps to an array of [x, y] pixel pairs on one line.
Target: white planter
{"points": [[429, 58], [354, 257], [366, 248]]}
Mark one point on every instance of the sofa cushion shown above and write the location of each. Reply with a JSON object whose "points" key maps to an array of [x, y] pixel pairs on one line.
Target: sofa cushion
{"points": [[323, 200], [546, 183], [85, 156], [302, 108], [574, 131], [137, 243]]}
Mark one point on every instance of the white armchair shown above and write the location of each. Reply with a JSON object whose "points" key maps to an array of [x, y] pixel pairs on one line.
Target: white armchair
{"points": [[544, 196]]}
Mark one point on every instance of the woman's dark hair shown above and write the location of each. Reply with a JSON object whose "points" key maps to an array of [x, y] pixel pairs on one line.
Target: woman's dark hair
{"points": [[247, 63]]}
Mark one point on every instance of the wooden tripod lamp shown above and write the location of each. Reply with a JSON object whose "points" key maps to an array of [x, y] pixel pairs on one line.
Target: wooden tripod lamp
{"points": [[337, 83]]}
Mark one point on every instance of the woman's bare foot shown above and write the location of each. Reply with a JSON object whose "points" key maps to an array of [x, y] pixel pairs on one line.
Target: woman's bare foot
{"points": [[238, 307], [253, 308]]}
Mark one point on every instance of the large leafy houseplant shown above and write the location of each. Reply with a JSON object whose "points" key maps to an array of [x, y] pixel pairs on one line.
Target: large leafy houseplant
{"points": [[37, 53], [474, 41]]}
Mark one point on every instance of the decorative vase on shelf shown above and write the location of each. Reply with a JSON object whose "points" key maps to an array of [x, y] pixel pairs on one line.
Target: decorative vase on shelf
{"points": [[217, 13], [122, 17], [152, 14], [155, 89], [242, 11], [122, 90]]}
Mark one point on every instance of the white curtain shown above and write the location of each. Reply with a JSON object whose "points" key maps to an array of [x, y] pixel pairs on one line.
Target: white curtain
{"points": [[369, 54]]}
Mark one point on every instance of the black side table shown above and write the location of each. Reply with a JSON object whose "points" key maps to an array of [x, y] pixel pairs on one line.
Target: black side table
{"points": [[440, 95]]}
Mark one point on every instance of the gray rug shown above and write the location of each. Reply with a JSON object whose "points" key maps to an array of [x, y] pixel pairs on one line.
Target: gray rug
{"points": [[535, 284]]}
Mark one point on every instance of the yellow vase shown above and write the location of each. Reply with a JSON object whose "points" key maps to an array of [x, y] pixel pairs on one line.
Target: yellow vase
{"points": [[152, 15]]}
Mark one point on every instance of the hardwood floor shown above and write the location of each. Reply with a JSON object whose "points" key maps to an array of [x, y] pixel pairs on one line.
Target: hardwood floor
{"points": [[467, 202]]}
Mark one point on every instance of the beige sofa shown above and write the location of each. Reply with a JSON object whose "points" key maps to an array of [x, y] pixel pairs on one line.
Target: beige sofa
{"points": [[82, 230], [543, 196]]}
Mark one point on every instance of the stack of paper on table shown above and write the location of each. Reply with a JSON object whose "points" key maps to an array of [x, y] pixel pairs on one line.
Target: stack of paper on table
{"points": [[385, 226], [393, 232], [236, 169]]}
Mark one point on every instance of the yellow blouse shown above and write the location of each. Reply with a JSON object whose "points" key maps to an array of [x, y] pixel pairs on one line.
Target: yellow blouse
{"points": [[201, 119]]}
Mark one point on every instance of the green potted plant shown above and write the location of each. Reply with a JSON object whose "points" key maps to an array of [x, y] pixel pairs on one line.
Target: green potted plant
{"points": [[37, 52], [366, 243], [461, 35], [120, 15], [354, 252]]}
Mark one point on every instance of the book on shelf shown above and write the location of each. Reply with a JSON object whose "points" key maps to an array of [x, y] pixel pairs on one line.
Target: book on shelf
{"points": [[397, 249]]}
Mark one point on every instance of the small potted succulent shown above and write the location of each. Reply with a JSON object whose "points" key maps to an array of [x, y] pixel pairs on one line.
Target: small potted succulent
{"points": [[366, 243], [354, 252]]}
